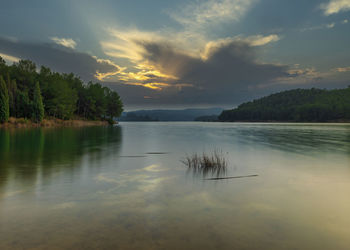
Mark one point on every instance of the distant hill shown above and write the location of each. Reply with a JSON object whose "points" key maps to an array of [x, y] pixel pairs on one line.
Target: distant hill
{"points": [[207, 118], [168, 115], [300, 105]]}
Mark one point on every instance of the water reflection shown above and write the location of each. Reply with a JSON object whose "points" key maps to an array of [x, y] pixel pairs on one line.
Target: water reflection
{"points": [[29, 154], [207, 172], [297, 138], [98, 188]]}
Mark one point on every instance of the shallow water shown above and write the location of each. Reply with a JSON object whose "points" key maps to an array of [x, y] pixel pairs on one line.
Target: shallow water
{"points": [[125, 187]]}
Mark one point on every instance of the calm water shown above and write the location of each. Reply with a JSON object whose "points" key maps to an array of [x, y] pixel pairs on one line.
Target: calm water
{"points": [[105, 188]]}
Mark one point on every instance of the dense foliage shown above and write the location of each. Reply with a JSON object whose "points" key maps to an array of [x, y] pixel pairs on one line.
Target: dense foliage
{"points": [[4, 101], [309, 105], [28, 93], [38, 106]]}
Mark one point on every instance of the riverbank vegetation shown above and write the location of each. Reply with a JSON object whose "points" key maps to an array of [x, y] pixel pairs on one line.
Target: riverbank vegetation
{"points": [[51, 123], [37, 95], [299, 105]]}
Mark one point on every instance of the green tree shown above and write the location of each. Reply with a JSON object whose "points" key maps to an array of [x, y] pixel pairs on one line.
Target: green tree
{"points": [[38, 106], [12, 97], [94, 103], [59, 99], [114, 105], [24, 72], [3, 67], [60, 95], [4, 101], [12, 89], [23, 105]]}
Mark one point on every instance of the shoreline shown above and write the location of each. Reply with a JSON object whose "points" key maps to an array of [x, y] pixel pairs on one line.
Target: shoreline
{"points": [[330, 121], [282, 121], [50, 123]]}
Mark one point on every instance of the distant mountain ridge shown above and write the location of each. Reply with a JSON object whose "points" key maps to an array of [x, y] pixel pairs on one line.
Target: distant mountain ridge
{"points": [[169, 115]]}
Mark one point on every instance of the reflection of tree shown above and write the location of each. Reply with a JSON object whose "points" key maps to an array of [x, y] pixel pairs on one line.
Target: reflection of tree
{"points": [[347, 142], [305, 139], [4, 152], [24, 154]]}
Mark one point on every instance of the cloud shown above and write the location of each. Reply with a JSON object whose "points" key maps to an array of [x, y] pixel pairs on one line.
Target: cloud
{"points": [[306, 77], [260, 40], [66, 42], [60, 59], [188, 47], [123, 43], [105, 75], [330, 25], [204, 13], [324, 26], [299, 76], [341, 70], [225, 65], [133, 45], [335, 6], [163, 68], [9, 59], [319, 27], [221, 73], [256, 40]]}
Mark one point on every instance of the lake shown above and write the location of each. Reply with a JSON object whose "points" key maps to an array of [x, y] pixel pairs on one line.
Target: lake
{"points": [[125, 187]]}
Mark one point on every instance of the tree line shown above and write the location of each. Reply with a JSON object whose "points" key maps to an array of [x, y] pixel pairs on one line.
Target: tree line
{"points": [[26, 92], [299, 105]]}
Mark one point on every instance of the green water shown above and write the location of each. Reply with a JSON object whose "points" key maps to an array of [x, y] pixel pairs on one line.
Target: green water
{"points": [[104, 188]]}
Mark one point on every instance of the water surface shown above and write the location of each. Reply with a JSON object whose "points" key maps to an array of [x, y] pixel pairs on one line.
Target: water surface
{"points": [[125, 187]]}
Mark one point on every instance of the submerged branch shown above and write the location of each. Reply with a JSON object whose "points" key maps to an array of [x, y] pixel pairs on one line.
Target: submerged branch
{"points": [[232, 177]]}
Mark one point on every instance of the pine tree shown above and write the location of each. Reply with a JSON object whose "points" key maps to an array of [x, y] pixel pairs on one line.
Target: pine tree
{"points": [[4, 101], [12, 98], [38, 106], [11, 88]]}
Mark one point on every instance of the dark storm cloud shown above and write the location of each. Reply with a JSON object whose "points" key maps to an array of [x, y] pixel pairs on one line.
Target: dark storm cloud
{"points": [[131, 94], [229, 66], [58, 58], [228, 74]]}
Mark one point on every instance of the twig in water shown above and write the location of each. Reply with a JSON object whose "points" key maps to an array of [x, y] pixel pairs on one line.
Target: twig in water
{"points": [[231, 177]]}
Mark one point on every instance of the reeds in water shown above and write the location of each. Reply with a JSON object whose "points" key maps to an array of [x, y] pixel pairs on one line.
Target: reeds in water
{"points": [[205, 164]]}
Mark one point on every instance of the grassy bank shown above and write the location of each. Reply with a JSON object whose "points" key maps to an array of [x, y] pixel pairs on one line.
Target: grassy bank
{"points": [[26, 123]]}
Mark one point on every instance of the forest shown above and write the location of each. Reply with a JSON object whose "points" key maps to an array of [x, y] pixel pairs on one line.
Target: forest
{"points": [[298, 105], [26, 92]]}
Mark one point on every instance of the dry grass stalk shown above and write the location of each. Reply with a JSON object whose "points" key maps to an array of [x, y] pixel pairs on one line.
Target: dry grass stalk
{"points": [[204, 164]]}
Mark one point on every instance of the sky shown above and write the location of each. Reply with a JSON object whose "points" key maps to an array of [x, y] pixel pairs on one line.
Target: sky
{"points": [[182, 54]]}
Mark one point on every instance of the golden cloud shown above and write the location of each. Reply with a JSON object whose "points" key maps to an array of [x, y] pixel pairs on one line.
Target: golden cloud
{"points": [[341, 70], [335, 6]]}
